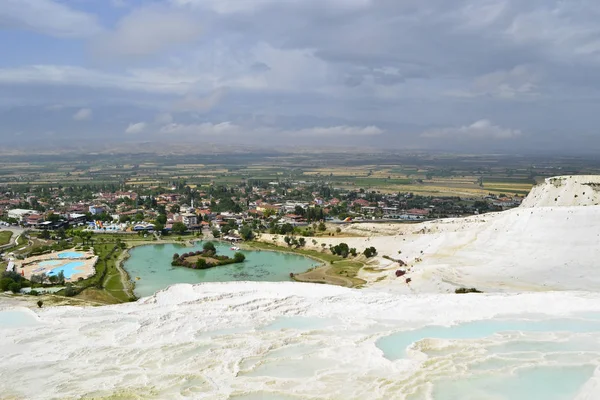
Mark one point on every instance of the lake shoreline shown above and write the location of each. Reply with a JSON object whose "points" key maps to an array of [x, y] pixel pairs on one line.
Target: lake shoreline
{"points": [[149, 267]]}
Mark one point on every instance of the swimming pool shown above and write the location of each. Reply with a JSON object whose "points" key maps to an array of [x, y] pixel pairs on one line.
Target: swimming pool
{"points": [[68, 269], [71, 254], [50, 263]]}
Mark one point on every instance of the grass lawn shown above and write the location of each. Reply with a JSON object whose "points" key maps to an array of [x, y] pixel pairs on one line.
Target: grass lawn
{"points": [[5, 237], [107, 276]]}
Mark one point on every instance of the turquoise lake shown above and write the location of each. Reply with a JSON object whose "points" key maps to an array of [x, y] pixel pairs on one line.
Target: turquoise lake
{"points": [[152, 265]]}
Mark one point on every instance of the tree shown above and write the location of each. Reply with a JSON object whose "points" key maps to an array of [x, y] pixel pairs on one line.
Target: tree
{"points": [[69, 290], [15, 287], [370, 252], [216, 233], [239, 257], [5, 283], [341, 249], [45, 235], [174, 209], [246, 232], [301, 242], [40, 303], [209, 247], [322, 227], [286, 228], [179, 228], [201, 263], [53, 217], [61, 277], [288, 240], [158, 227]]}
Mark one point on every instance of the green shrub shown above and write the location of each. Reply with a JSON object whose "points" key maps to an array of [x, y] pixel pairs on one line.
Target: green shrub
{"points": [[5, 283], [15, 287]]}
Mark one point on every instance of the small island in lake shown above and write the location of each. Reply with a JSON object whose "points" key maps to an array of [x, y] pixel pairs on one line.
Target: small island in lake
{"points": [[207, 258]]}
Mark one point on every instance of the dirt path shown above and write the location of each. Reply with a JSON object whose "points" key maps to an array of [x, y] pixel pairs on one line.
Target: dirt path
{"points": [[324, 275], [128, 285]]}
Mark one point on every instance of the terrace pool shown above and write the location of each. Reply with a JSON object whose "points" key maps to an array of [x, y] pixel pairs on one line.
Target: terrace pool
{"points": [[71, 254], [395, 345], [68, 269], [17, 318]]}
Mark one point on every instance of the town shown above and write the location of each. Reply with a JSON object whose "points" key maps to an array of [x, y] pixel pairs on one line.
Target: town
{"points": [[222, 210]]}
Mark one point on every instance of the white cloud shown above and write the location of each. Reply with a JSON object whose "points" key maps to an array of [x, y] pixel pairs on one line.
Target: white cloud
{"points": [[201, 104], [47, 17], [230, 129], [148, 31], [83, 114], [482, 129], [136, 128]]}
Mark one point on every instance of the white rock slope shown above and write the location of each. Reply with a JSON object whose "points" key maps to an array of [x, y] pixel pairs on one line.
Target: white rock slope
{"points": [[551, 242]]}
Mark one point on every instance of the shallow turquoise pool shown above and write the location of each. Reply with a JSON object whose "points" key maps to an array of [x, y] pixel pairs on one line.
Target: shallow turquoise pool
{"points": [[395, 345], [500, 359], [68, 269], [11, 319], [71, 254], [152, 265]]}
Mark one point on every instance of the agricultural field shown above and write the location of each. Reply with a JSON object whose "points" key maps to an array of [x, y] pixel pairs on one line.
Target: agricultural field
{"points": [[425, 174]]}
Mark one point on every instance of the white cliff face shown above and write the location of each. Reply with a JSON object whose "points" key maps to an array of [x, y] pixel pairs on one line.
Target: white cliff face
{"points": [[565, 191], [300, 341]]}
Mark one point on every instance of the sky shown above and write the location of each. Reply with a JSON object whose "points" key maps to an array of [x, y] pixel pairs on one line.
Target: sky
{"points": [[457, 75]]}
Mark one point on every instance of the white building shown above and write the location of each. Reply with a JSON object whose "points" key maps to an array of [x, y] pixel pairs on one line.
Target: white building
{"points": [[189, 219], [20, 214]]}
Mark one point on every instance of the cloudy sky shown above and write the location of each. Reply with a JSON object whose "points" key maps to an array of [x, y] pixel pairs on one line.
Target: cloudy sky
{"points": [[486, 75]]}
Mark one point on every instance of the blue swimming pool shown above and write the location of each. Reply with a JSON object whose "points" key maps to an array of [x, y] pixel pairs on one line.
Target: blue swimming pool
{"points": [[68, 269], [71, 254], [50, 263]]}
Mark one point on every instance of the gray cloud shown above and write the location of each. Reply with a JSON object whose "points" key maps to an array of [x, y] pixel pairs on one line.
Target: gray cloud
{"points": [[47, 17], [407, 67], [147, 31]]}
